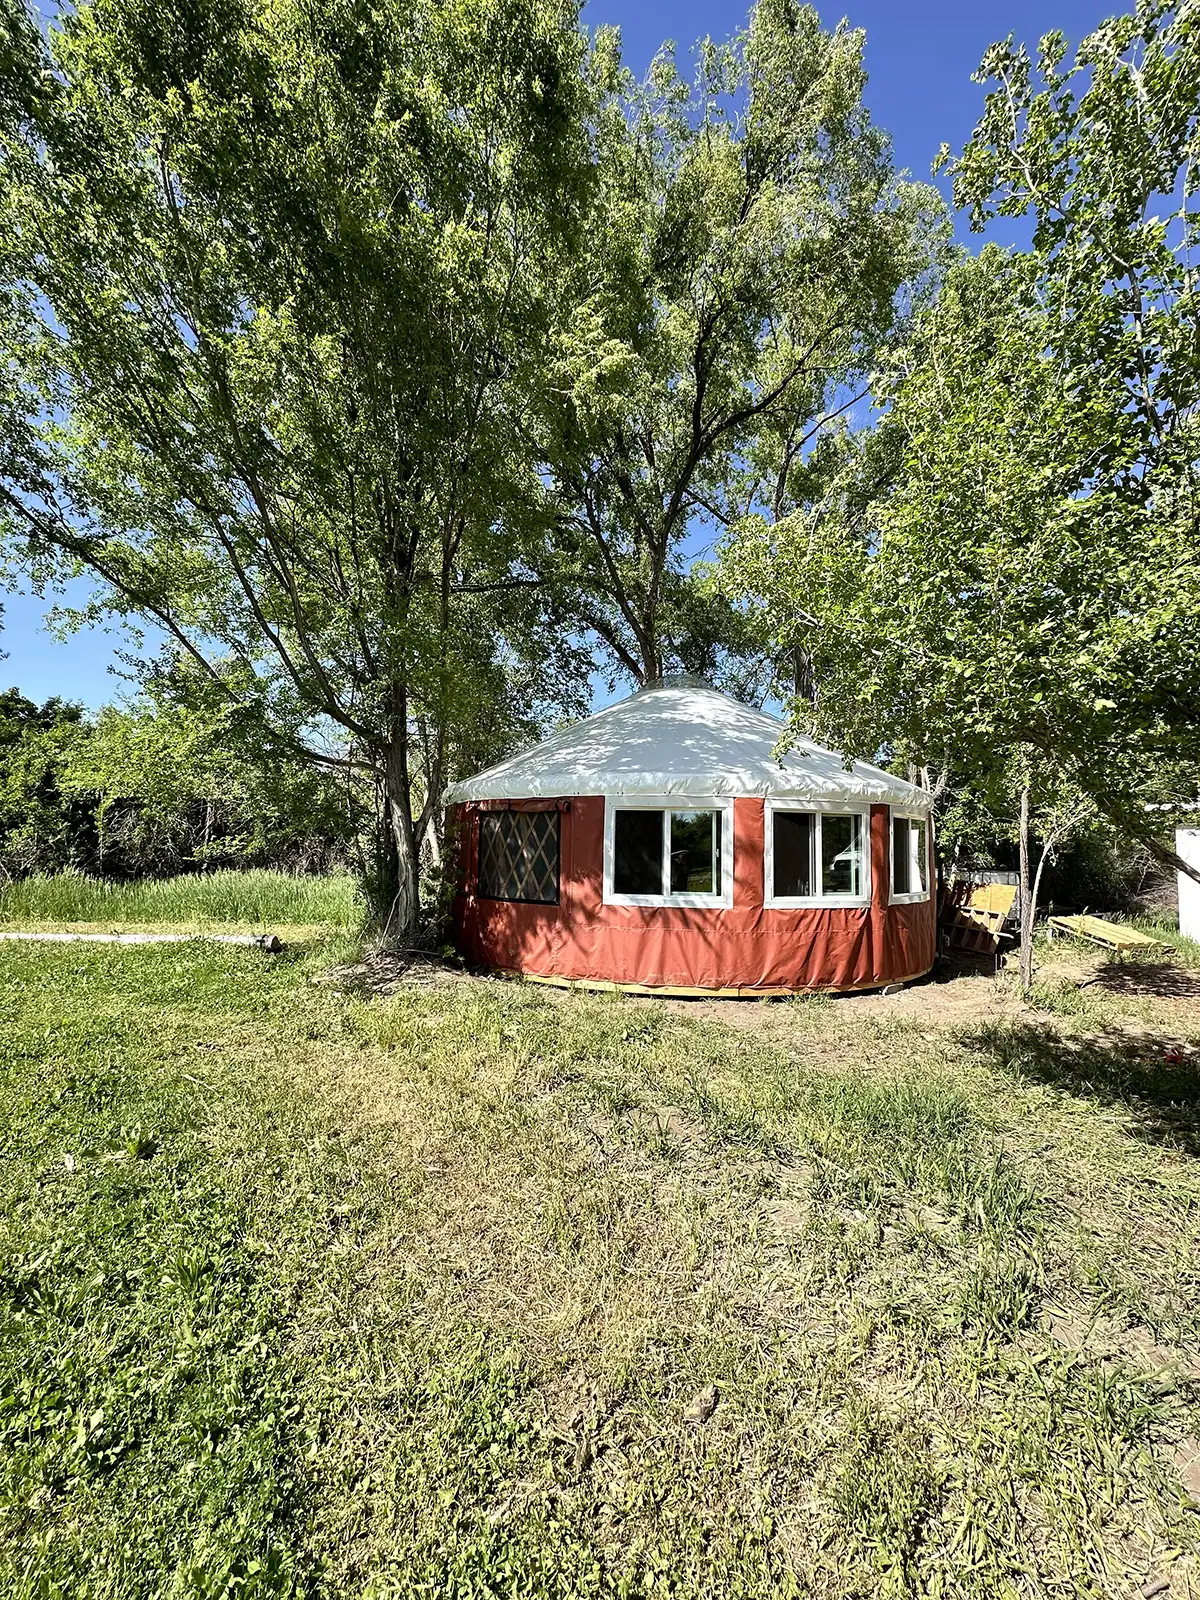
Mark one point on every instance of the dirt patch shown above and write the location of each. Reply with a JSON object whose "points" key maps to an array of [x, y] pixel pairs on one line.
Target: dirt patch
{"points": [[1161, 980], [961, 990], [1147, 1007], [1075, 1326], [960, 994], [1135, 1004], [669, 1122], [387, 973], [1186, 1461]]}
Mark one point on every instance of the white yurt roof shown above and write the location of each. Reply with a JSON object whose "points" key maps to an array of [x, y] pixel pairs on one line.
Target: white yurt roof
{"points": [[686, 740]]}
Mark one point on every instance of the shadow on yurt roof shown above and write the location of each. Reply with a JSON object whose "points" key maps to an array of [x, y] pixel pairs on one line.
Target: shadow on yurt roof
{"points": [[683, 737]]}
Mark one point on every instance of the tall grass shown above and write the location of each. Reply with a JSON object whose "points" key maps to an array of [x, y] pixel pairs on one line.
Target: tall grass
{"points": [[1165, 926], [258, 897]]}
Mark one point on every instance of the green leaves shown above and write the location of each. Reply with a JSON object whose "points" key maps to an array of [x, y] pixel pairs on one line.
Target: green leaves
{"points": [[1015, 548], [747, 241], [280, 280]]}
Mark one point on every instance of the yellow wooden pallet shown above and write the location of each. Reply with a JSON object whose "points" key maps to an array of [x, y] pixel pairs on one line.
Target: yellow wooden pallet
{"points": [[1114, 935], [979, 924]]}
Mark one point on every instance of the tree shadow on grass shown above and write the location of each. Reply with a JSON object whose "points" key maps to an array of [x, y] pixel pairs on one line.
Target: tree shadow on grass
{"points": [[1165, 980], [1153, 1078]]}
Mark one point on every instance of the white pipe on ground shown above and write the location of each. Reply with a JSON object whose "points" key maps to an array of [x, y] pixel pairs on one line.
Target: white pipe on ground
{"points": [[262, 941]]}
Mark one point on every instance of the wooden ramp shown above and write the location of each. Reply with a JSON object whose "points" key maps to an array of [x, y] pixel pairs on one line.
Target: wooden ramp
{"points": [[978, 922], [1113, 935]]}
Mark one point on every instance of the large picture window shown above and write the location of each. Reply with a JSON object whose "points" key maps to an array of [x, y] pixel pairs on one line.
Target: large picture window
{"points": [[910, 858], [518, 856], [815, 857], [668, 854]]}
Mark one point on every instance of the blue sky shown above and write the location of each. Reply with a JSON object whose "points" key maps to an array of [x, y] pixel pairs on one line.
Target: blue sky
{"points": [[920, 55]]}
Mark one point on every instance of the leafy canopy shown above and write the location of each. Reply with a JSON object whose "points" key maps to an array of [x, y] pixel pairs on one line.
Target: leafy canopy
{"points": [[1011, 561], [747, 244], [277, 277]]}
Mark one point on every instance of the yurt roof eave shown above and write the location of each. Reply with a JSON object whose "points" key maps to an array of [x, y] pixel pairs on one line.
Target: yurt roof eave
{"points": [[684, 742], [698, 786]]}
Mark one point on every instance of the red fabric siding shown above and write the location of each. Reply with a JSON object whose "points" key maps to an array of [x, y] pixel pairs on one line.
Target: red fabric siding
{"points": [[748, 946]]}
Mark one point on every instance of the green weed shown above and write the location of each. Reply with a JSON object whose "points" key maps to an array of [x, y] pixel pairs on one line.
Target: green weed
{"points": [[256, 898]]}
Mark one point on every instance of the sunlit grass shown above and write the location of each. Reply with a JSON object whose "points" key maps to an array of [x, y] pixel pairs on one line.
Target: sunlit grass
{"points": [[256, 898], [1166, 928], [308, 1293]]}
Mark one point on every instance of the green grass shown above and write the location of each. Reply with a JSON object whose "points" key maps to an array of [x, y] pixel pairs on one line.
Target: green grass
{"points": [[255, 898], [306, 1293], [1187, 951]]}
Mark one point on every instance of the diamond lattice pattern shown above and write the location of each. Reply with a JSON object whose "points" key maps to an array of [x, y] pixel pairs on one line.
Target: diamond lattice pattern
{"points": [[518, 856]]}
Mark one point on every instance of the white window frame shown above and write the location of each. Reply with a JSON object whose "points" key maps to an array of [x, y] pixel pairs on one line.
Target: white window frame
{"points": [[670, 802], [819, 809], [913, 896]]}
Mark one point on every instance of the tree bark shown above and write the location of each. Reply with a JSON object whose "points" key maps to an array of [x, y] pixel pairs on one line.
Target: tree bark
{"points": [[651, 658], [400, 886], [804, 683], [389, 859], [1034, 894], [1136, 830], [1026, 959], [432, 845]]}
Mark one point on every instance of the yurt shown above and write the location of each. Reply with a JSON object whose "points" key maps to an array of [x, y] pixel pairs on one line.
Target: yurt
{"points": [[662, 845]]}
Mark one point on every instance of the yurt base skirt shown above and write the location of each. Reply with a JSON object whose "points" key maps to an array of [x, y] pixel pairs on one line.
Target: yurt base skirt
{"points": [[679, 991], [828, 952]]}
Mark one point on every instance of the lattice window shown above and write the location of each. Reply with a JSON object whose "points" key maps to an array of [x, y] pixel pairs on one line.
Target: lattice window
{"points": [[518, 856]]}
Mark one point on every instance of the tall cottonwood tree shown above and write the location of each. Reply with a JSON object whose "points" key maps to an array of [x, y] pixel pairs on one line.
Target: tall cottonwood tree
{"points": [[1006, 573], [275, 280], [745, 255]]}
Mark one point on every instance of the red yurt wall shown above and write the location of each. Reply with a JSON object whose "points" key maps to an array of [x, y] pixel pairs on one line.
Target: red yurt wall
{"points": [[750, 946]]}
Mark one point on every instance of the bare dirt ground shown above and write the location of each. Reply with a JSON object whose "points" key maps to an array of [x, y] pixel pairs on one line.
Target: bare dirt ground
{"points": [[962, 989], [385, 973], [1130, 996]]}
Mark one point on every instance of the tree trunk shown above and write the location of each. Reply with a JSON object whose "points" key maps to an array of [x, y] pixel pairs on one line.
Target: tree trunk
{"points": [[1026, 972], [1135, 828], [400, 917], [1034, 893], [804, 683], [389, 861], [651, 660], [433, 845]]}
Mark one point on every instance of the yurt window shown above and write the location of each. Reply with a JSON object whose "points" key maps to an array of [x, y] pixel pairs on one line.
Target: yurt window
{"points": [[910, 858], [518, 856], [638, 852], [667, 854], [815, 857]]}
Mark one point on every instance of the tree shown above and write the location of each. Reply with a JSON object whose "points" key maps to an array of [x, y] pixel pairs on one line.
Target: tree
{"points": [[175, 788], [1022, 801], [43, 826], [1103, 157], [746, 249], [159, 786], [277, 282], [1008, 568]]}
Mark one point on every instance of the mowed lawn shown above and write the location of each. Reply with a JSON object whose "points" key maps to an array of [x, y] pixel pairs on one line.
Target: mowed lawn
{"points": [[304, 1292]]}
